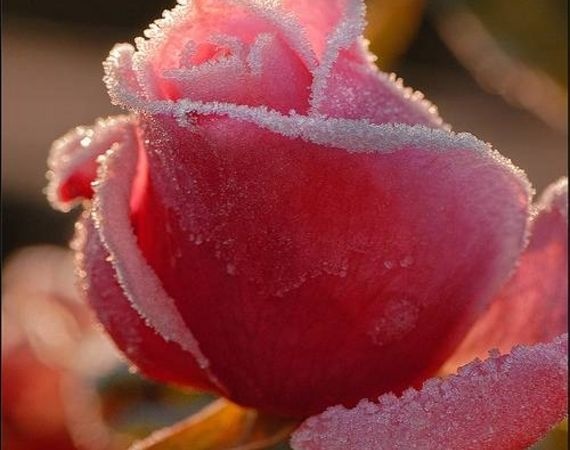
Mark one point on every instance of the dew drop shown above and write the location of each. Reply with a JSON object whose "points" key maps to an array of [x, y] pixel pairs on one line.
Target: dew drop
{"points": [[231, 269], [85, 141], [388, 264], [396, 319], [407, 261]]}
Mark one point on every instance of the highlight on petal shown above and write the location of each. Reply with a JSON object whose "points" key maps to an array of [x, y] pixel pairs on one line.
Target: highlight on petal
{"points": [[115, 192], [506, 402], [414, 260], [73, 160], [533, 306]]}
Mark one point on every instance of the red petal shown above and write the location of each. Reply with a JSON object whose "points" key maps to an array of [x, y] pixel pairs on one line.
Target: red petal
{"points": [[294, 263], [73, 160], [358, 90], [506, 402], [533, 306]]}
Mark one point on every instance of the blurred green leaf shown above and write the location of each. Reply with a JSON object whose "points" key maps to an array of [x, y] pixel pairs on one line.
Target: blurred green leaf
{"points": [[222, 426], [517, 49], [391, 27], [557, 439]]}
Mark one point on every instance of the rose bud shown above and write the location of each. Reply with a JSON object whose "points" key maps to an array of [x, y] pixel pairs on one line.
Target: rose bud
{"points": [[278, 222]]}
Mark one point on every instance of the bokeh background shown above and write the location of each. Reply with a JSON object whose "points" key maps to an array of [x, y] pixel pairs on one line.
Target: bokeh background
{"points": [[495, 68]]}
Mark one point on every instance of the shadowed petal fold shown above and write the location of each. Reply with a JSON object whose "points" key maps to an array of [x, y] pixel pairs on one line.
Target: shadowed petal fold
{"points": [[533, 306], [152, 355]]}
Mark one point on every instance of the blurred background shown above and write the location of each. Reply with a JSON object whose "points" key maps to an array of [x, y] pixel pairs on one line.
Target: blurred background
{"points": [[495, 68]]}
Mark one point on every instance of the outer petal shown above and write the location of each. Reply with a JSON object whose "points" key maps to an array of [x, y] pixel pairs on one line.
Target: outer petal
{"points": [[506, 402], [74, 161], [274, 246], [533, 306]]}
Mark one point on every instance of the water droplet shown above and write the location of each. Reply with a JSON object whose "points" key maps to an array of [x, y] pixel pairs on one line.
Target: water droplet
{"points": [[109, 258], [397, 317], [231, 269], [199, 239], [407, 261], [85, 141], [389, 265]]}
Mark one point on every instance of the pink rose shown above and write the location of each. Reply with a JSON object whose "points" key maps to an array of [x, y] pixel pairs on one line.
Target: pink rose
{"points": [[278, 222]]}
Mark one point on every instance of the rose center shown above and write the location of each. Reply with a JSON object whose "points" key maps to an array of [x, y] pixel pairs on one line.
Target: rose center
{"points": [[217, 48]]}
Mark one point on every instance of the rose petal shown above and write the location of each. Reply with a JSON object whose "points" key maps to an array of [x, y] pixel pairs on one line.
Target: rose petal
{"points": [[155, 357], [506, 402], [533, 306], [358, 90], [272, 245], [72, 161]]}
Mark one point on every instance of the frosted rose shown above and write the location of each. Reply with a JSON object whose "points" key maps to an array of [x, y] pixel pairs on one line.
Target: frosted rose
{"points": [[278, 222]]}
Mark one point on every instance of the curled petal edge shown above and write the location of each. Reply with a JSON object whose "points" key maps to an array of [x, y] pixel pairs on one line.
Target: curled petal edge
{"points": [[487, 405], [110, 214], [76, 153]]}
